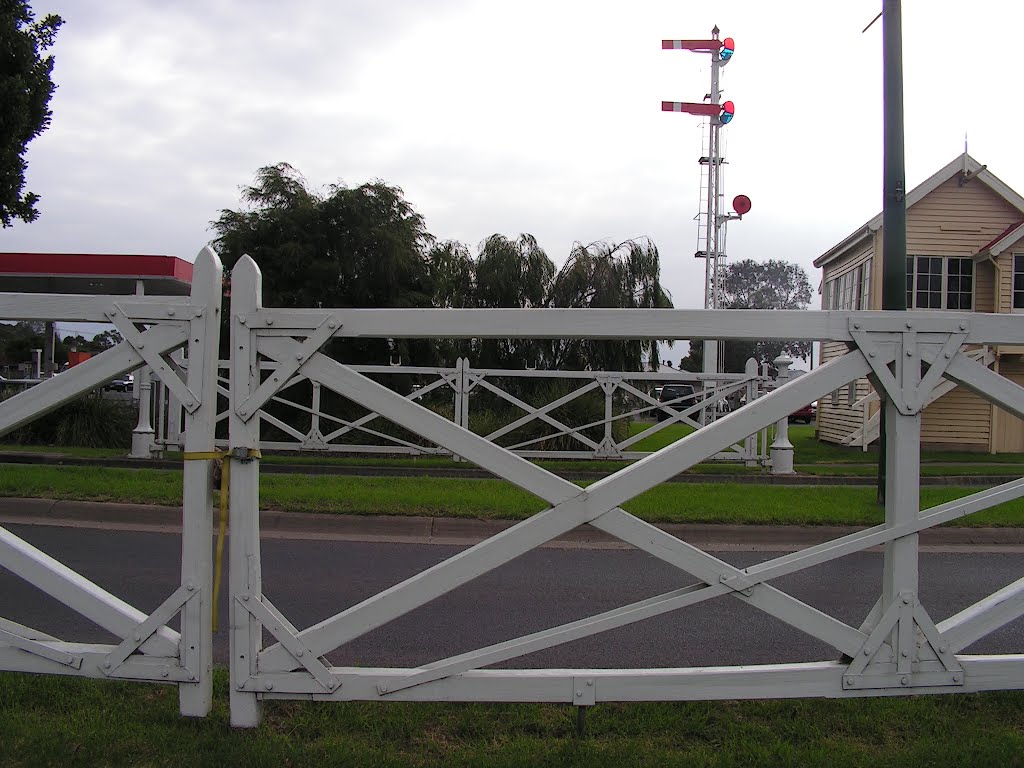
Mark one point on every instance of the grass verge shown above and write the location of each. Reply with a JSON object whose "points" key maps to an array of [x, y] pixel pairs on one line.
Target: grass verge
{"points": [[493, 499], [53, 721]]}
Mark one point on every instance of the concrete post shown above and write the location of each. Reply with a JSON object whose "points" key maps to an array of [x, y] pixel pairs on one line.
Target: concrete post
{"points": [[782, 449]]}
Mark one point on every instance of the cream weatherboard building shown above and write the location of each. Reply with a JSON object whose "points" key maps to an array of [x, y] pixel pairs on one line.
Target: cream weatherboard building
{"points": [[965, 252]]}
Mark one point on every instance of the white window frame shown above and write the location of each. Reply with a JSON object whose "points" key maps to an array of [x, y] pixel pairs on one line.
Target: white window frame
{"points": [[1015, 257], [944, 284], [850, 290]]}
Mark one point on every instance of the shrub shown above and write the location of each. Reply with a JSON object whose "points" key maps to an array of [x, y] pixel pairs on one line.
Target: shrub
{"points": [[89, 422]]}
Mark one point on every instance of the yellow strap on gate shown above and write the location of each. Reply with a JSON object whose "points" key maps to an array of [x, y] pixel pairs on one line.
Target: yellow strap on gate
{"points": [[225, 491]]}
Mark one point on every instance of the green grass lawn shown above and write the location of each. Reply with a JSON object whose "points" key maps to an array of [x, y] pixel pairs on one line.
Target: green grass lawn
{"points": [[49, 721], [491, 499]]}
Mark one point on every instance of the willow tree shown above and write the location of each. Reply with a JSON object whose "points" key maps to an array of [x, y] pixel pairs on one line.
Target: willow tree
{"points": [[608, 275], [344, 247], [509, 274]]}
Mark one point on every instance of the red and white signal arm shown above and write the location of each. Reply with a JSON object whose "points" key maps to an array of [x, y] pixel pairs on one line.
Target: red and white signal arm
{"points": [[741, 204]]}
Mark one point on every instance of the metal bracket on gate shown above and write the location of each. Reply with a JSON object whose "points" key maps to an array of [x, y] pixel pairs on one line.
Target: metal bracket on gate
{"points": [[188, 399], [114, 664], [584, 691], [609, 383], [288, 368], [314, 441], [38, 648], [909, 398], [261, 609], [909, 663]]}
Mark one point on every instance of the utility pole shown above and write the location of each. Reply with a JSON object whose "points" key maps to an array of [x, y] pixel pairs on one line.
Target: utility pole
{"points": [[894, 203]]}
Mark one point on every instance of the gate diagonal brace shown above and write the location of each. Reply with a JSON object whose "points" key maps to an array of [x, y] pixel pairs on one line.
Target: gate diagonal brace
{"points": [[281, 628], [472, 379], [878, 665], [288, 368], [40, 649], [114, 663], [189, 400]]}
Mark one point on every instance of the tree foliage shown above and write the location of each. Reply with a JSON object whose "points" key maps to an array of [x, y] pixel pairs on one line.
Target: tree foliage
{"points": [[19, 339], [25, 91], [608, 276], [367, 247], [347, 247], [749, 284]]}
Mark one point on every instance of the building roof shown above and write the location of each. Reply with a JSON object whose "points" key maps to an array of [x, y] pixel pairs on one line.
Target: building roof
{"points": [[94, 273], [963, 165], [1005, 239]]}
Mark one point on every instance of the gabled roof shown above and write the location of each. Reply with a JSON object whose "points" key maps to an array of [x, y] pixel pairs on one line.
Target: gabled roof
{"points": [[959, 165]]}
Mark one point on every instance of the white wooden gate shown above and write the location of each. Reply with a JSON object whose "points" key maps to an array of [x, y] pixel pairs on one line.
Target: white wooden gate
{"points": [[302, 423], [153, 328], [898, 649]]}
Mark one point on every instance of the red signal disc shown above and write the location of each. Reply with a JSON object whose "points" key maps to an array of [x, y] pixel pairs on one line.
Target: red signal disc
{"points": [[741, 204], [728, 44]]}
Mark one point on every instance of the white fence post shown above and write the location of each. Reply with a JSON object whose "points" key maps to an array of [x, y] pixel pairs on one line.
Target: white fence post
{"points": [[459, 385], [465, 387], [196, 650], [782, 449], [245, 573]]}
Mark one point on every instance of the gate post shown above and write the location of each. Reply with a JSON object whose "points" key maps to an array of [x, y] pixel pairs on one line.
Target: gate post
{"points": [[245, 580], [196, 649], [902, 481]]}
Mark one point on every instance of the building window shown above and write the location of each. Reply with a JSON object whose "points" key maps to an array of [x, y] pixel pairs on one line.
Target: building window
{"points": [[940, 282], [851, 290], [864, 299], [1018, 282]]}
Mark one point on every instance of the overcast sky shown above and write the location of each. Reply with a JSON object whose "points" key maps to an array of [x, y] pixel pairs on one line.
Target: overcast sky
{"points": [[494, 116]]}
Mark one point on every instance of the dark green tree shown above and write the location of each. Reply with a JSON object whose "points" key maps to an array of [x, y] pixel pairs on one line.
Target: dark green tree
{"points": [[511, 274], [25, 91], [749, 284], [346, 247], [452, 274], [608, 275]]}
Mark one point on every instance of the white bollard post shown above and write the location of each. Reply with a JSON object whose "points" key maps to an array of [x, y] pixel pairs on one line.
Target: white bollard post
{"points": [[751, 458], [782, 449], [143, 434]]}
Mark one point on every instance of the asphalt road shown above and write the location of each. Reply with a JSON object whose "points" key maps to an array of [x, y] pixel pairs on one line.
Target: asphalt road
{"points": [[310, 580]]}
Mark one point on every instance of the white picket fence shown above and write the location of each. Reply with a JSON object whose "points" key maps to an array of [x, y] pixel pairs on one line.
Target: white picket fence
{"points": [[898, 648]]}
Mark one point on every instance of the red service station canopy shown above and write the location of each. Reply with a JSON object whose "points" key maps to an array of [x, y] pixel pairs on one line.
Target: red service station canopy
{"points": [[94, 273]]}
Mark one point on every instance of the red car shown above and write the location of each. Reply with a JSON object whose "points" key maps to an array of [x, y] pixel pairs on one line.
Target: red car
{"points": [[807, 414]]}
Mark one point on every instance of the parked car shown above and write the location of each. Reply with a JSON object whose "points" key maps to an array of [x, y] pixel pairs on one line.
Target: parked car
{"points": [[807, 414], [679, 397], [121, 383]]}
